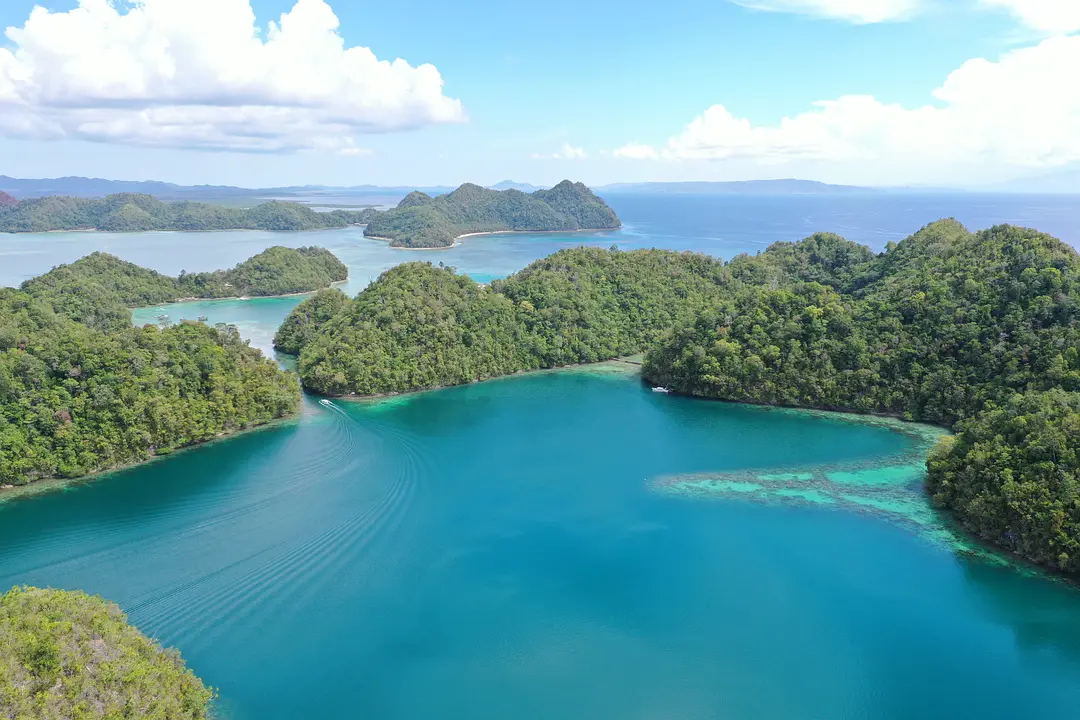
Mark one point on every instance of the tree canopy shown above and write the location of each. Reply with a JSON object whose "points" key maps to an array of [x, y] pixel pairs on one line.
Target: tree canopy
{"points": [[82, 391], [422, 221], [135, 212], [419, 326], [70, 656]]}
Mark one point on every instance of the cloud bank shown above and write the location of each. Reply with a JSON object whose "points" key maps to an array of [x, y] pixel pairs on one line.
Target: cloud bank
{"points": [[1020, 112], [201, 74], [857, 11], [1049, 16]]}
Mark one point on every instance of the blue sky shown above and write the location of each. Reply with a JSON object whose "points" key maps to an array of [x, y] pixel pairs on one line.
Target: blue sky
{"points": [[598, 90]]}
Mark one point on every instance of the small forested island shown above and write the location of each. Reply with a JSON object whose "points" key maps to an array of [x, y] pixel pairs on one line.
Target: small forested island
{"points": [[422, 221], [67, 655], [82, 391], [134, 212], [97, 290], [973, 331]]}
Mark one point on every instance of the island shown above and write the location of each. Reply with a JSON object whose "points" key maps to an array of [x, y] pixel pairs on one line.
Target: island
{"points": [[976, 332], [65, 654], [422, 221], [136, 212], [99, 289], [82, 391]]}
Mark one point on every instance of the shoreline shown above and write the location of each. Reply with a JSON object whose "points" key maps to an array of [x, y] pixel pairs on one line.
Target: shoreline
{"points": [[455, 243], [630, 367], [43, 486], [238, 297]]}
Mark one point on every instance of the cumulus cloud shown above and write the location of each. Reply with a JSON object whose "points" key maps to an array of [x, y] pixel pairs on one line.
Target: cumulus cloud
{"points": [[1022, 111], [857, 11], [201, 73], [1049, 16], [566, 152]]}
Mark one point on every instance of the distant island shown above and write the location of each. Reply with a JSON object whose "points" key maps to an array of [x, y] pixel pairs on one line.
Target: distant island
{"points": [[136, 212], [978, 332], [97, 290], [422, 221]]}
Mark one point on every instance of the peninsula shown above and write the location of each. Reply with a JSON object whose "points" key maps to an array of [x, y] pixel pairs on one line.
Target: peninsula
{"points": [[98, 289], [135, 212], [83, 391], [979, 332], [423, 221]]}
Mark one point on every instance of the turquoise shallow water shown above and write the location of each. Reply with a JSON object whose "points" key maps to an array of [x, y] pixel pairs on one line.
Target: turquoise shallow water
{"points": [[514, 548], [558, 545]]}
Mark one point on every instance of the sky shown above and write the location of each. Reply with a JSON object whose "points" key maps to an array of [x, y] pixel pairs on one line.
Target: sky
{"points": [[941, 93]]}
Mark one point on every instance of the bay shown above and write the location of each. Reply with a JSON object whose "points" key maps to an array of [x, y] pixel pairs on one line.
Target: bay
{"points": [[561, 544]]}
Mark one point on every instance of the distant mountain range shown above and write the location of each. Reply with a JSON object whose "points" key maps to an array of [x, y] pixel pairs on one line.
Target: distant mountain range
{"points": [[98, 187], [1061, 181]]}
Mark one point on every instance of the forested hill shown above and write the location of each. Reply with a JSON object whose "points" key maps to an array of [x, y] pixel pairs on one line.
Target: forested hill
{"points": [[419, 326], [98, 289], [422, 221], [975, 331], [133, 212]]}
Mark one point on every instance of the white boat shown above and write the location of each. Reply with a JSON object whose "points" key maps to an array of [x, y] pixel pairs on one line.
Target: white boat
{"points": [[326, 403], [661, 390]]}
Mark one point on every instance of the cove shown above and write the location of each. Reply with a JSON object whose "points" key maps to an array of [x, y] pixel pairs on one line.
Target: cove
{"points": [[562, 544]]}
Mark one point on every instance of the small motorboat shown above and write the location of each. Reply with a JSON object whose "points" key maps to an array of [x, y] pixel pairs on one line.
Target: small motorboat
{"points": [[661, 390], [326, 403]]}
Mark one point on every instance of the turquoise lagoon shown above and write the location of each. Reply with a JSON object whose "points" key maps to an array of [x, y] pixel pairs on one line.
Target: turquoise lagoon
{"points": [[561, 544]]}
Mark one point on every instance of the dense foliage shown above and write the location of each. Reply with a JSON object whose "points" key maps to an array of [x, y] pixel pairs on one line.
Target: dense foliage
{"points": [[6, 201], [930, 330], [1012, 475], [422, 221], [419, 326], [97, 290], [947, 326], [133, 212], [77, 400], [69, 656], [307, 318]]}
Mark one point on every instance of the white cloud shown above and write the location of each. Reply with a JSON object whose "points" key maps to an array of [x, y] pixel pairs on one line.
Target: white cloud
{"points": [[857, 11], [1049, 16], [1022, 111], [566, 152], [200, 73], [636, 151]]}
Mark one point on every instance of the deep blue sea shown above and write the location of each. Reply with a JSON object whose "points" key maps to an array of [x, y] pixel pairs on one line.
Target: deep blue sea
{"points": [[564, 544]]}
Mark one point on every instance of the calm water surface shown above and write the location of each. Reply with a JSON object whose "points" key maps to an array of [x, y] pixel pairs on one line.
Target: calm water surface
{"points": [[556, 545]]}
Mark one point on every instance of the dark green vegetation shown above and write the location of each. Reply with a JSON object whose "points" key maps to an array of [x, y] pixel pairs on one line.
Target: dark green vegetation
{"points": [[420, 326], [76, 400], [98, 289], [70, 656], [977, 330], [1011, 475], [133, 212], [422, 221], [307, 318], [82, 391]]}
